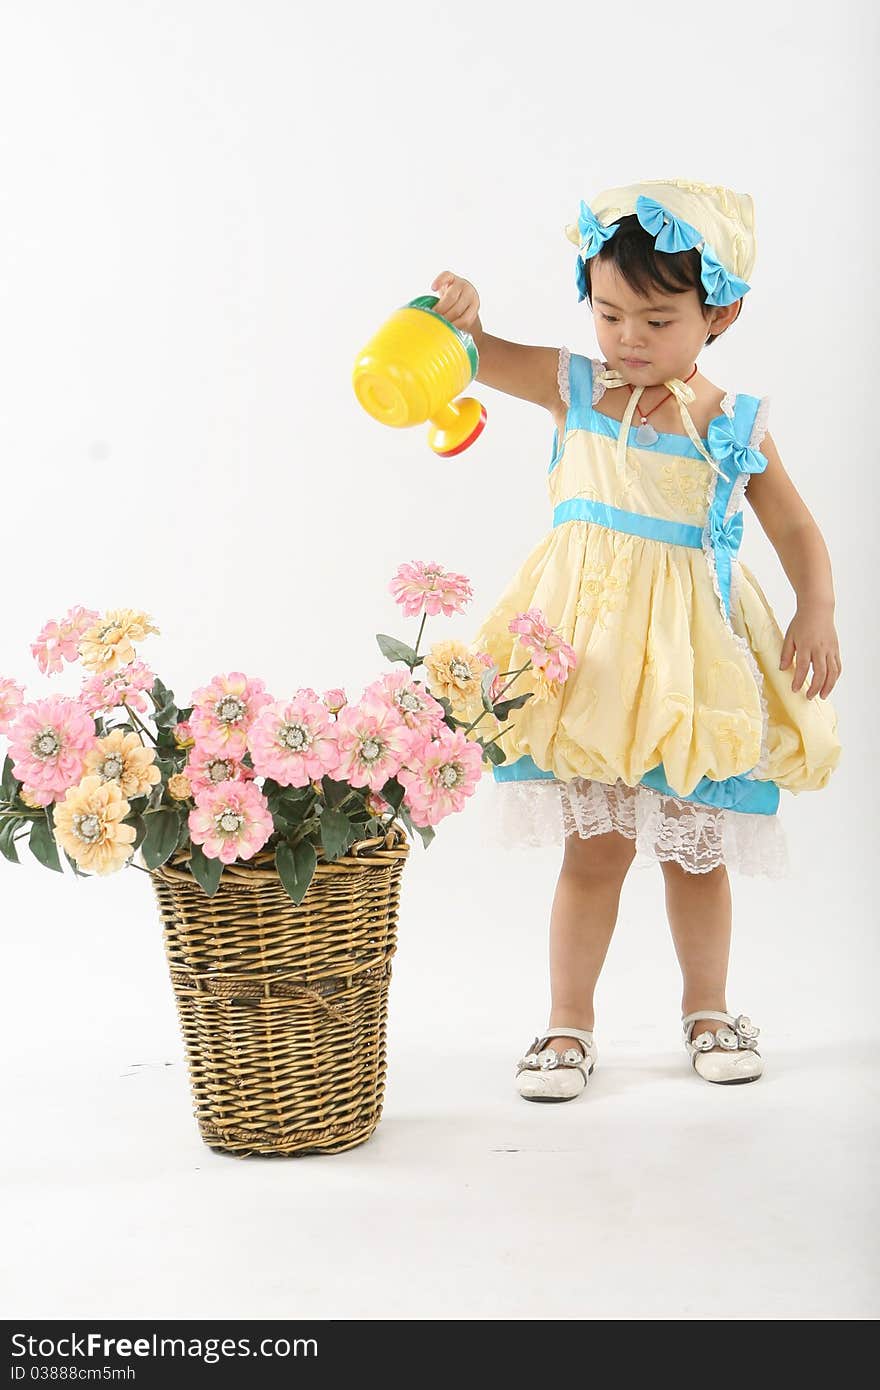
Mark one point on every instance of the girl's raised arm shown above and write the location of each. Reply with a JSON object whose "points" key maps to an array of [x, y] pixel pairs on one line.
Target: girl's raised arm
{"points": [[515, 368]]}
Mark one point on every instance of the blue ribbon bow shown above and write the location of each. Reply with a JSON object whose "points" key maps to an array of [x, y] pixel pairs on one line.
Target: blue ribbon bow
{"points": [[721, 287], [671, 233], [725, 447], [726, 538], [593, 237]]}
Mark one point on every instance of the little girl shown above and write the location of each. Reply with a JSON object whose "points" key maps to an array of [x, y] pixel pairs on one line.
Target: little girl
{"points": [[677, 727]]}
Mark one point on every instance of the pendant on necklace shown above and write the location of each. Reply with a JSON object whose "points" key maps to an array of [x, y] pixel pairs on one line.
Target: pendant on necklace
{"points": [[646, 434]]}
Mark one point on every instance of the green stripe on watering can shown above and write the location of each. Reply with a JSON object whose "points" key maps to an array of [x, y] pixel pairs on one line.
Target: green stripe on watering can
{"points": [[426, 302]]}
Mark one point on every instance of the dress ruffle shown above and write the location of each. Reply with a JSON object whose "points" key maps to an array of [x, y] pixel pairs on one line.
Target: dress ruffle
{"points": [[534, 814]]}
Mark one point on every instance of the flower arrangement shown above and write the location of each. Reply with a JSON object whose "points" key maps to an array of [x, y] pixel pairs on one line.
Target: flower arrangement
{"points": [[120, 767]]}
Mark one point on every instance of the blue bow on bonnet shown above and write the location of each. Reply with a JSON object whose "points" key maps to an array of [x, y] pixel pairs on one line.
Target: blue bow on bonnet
{"points": [[670, 233]]}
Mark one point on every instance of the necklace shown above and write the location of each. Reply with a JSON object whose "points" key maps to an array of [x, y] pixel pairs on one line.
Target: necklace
{"points": [[646, 434]]}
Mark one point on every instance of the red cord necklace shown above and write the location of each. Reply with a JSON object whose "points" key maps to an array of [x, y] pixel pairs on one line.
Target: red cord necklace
{"points": [[646, 434]]}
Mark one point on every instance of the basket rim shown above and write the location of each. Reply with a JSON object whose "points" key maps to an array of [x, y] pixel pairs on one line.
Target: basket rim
{"points": [[394, 844]]}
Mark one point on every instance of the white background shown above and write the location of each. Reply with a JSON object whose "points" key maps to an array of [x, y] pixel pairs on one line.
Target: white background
{"points": [[206, 209]]}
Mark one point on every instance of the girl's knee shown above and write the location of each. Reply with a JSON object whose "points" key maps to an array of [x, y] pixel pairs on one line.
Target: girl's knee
{"points": [[599, 856], [676, 873]]}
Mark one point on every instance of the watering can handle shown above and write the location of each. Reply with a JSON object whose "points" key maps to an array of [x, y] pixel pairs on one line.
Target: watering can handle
{"points": [[427, 301]]}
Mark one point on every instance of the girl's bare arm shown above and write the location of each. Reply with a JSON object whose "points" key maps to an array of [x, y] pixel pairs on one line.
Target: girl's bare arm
{"points": [[515, 368]]}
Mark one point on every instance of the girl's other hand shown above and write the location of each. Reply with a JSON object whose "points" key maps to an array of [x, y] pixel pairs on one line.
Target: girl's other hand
{"points": [[812, 640], [459, 302]]}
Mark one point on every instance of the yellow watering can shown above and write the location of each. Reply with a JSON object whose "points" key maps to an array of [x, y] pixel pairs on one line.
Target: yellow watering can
{"points": [[412, 368]]}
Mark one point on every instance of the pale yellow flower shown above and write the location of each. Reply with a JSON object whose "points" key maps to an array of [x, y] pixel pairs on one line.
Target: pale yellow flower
{"points": [[454, 674], [121, 757], [29, 799], [88, 826], [179, 788], [108, 642]]}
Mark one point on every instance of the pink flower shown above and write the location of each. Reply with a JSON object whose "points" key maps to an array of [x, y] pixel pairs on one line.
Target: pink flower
{"points": [[334, 699], [183, 734], [414, 705], [442, 773], [293, 741], [59, 639], [376, 804], [230, 821], [418, 586], [550, 654], [372, 744], [224, 711], [48, 744], [107, 690], [11, 700], [532, 625], [206, 769]]}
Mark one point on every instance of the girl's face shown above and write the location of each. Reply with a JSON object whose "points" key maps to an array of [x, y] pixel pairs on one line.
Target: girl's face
{"points": [[664, 332]]}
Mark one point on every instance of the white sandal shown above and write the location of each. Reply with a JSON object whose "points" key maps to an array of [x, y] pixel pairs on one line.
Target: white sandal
{"points": [[546, 1074], [737, 1060]]}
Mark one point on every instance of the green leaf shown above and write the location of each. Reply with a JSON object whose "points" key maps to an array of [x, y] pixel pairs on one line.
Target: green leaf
{"points": [[183, 837], [334, 792], [493, 752], [393, 793], [10, 785], [503, 708], [43, 847], [296, 866], [140, 826], [396, 651], [337, 832], [160, 841], [426, 832], [160, 693], [205, 871], [7, 846]]}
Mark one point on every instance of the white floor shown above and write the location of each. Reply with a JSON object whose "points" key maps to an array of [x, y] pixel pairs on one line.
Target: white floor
{"points": [[655, 1195]]}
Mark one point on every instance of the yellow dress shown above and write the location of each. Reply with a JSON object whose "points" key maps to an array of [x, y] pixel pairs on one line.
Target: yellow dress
{"points": [[676, 726]]}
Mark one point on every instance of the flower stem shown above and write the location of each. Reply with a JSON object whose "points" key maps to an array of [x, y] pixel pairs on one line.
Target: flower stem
{"points": [[421, 630], [140, 723], [484, 712]]}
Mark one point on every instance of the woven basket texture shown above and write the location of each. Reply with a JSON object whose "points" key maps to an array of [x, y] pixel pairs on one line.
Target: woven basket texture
{"points": [[283, 1007]]}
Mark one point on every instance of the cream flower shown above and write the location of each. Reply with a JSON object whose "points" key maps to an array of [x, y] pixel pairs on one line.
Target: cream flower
{"points": [[121, 757], [179, 788], [454, 674], [108, 642], [88, 826]]}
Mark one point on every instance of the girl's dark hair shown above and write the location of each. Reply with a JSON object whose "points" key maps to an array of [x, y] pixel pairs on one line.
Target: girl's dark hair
{"points": [[631, 249]]}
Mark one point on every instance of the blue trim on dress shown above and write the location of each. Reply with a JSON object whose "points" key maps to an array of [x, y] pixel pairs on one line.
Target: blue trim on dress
{"points": [[740, 793], [581, 415], [652, 528]]}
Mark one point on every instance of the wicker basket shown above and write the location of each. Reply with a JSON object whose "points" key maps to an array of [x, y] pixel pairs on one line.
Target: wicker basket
{"points": [[283, 1007]]}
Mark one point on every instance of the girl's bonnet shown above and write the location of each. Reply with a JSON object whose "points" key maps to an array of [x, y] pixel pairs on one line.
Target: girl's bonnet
{"points": [[680, 215]]}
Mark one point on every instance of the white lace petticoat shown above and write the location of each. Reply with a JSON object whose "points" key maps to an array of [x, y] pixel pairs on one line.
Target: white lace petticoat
{"points": [[541, 811]]}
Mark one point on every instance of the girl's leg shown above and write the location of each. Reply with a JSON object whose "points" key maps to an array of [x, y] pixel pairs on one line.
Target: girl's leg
{"points": [[582, 920], [699, 910]]}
